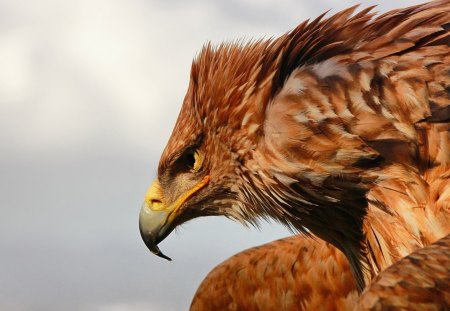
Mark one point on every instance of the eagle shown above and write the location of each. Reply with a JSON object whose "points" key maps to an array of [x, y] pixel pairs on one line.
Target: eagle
{"points": [[338, 129]]}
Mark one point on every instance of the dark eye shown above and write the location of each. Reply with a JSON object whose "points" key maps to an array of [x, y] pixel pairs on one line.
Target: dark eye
{"points": [[189, 159]]}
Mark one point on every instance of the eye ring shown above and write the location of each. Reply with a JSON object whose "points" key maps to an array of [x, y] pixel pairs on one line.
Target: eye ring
{"points": [[193, 160], [197, 161]]}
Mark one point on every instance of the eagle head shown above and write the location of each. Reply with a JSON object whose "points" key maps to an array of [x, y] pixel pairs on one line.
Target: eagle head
{"points": [[208, 164]]}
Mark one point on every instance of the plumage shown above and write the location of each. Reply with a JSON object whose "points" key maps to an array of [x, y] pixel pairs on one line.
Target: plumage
{"points": [[299, 273], [420, 281], [295, 273], [339, 128]]}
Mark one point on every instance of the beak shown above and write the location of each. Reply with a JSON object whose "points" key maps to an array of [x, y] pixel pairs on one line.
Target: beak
{"points": [[154, 228], [156, 218]]}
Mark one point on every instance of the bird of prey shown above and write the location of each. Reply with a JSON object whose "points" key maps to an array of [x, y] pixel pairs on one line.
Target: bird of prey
{"points": [[340, 129]]}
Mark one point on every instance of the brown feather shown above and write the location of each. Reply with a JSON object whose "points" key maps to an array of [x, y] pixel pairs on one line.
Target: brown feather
{"points": [[420, 281], [296, 273]]}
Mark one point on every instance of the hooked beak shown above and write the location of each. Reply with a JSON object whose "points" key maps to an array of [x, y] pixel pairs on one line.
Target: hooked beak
{"points": [[154, 228], [156, 219]]}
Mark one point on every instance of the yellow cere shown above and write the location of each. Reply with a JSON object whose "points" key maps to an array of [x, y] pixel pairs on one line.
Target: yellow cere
{"points": [[154, 196]]}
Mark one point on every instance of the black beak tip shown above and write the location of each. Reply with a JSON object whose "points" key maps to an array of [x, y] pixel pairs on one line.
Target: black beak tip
{"points": [[153, 247], [156, 251], [160, 254]]}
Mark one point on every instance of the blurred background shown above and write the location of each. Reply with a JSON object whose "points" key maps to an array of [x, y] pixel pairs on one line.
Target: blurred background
{"points": [[89, 93]]}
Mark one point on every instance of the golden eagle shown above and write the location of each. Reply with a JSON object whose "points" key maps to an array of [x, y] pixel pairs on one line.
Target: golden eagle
{"points": [[339, 128]]}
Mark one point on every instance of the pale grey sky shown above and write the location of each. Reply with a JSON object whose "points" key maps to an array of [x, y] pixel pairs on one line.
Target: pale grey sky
{"points": [[89, 92]]}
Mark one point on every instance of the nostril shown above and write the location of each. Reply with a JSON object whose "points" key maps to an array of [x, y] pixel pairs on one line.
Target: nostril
{"points": [[154, 195], [155, 204]]}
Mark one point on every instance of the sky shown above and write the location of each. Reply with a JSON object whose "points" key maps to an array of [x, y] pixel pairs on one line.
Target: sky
{"points": [[89, 93]]}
